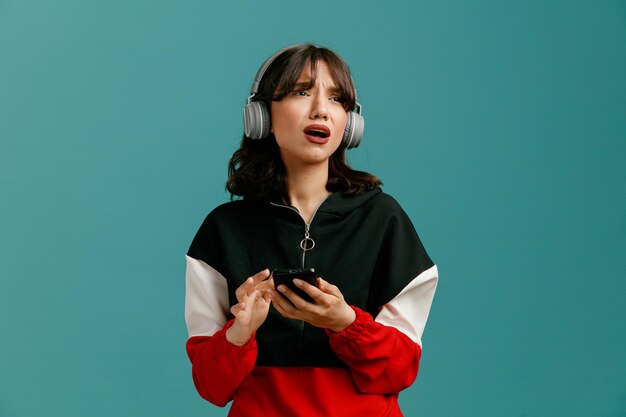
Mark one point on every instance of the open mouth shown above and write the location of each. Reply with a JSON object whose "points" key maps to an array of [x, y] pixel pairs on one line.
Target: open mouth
{"points": [[318, 131]]}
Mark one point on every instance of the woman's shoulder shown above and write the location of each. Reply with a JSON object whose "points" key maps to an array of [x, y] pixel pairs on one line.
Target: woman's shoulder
{"points": [[239, 207], [371, 202], [384, 202], [387, 211], [230, 208], [233, 211]]}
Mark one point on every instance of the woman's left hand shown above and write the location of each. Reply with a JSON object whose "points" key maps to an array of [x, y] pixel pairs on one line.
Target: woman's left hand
{"points": [[328, 310]]}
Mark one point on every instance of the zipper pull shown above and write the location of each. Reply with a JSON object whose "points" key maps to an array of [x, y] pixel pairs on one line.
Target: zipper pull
{"points": [[307, 243]]}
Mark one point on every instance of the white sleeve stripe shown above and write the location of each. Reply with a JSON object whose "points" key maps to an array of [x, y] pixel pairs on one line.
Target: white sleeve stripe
{"points": [[408, 311], [206, 298]]}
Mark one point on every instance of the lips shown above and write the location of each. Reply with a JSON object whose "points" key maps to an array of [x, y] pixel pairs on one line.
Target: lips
{"points": [[317, 133]]}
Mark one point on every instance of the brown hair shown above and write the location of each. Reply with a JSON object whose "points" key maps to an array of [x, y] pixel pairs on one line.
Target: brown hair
{"points": [[256, 170]]}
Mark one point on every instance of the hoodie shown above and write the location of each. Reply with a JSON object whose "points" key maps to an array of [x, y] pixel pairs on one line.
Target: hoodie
{"points": [[364, 244]]}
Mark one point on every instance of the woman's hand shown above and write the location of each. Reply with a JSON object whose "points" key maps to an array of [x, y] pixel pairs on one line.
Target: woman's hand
{"points": [[252, 308], [328, 310]]}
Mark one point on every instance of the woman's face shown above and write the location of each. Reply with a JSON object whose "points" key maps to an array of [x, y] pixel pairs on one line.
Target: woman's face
{"points": [[309, 123]]}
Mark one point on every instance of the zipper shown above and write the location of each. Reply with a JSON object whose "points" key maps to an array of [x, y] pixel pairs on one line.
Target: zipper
{"points": [[306, 244]]}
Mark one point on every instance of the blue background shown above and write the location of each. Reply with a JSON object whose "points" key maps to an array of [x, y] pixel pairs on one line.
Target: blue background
{"points": [[500, 127]]}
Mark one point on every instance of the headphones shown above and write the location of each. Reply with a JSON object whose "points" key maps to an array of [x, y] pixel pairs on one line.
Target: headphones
{"points": [[256, 115]]}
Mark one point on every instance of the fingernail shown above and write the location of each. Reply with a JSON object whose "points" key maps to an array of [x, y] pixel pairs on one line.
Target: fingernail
{"points": [[282, 288]]}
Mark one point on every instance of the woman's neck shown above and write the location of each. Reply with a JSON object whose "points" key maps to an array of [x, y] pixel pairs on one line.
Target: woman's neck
{"points": [[306, 188]]}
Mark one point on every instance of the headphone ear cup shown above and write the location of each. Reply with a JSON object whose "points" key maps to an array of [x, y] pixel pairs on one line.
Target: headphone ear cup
{"points": [[354, 130], [256, 120]]}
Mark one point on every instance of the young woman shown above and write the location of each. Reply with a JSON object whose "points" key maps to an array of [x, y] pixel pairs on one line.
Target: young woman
{"points": [[356, 343]]}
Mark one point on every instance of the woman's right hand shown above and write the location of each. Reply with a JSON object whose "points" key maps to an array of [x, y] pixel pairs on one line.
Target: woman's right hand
{"points": [[253, 303]]}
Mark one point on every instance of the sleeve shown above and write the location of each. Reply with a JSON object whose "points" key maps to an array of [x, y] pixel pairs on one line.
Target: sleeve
{"points": [[218, 367], [384, 354], [383, 345]]}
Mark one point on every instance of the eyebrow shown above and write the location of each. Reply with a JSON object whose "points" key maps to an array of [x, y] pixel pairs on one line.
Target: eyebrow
{"points": [[307, 84], [302, 85]]}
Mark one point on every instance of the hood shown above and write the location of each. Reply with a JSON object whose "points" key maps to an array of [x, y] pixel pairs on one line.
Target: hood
{"points": [[341, 204], [338, 204]]}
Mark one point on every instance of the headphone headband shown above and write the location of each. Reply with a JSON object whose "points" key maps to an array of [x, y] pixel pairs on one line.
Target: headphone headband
{"points": [[265, 66]]}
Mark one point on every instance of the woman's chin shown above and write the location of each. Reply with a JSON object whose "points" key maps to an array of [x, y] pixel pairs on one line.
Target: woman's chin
{"points": [[312, 157]]}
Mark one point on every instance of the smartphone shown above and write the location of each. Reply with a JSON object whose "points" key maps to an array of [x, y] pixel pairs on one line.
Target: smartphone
{"points": [[286, 276]]}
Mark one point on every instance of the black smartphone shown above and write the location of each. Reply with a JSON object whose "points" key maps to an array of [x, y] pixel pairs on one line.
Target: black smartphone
{"points": [[286, 276]]}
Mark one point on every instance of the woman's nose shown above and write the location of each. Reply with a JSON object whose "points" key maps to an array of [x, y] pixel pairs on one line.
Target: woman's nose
{"points": [[318, 107]]}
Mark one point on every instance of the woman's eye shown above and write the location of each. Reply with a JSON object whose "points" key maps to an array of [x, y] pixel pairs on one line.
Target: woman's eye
{"points": [[337, 99], [300, 93]]}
